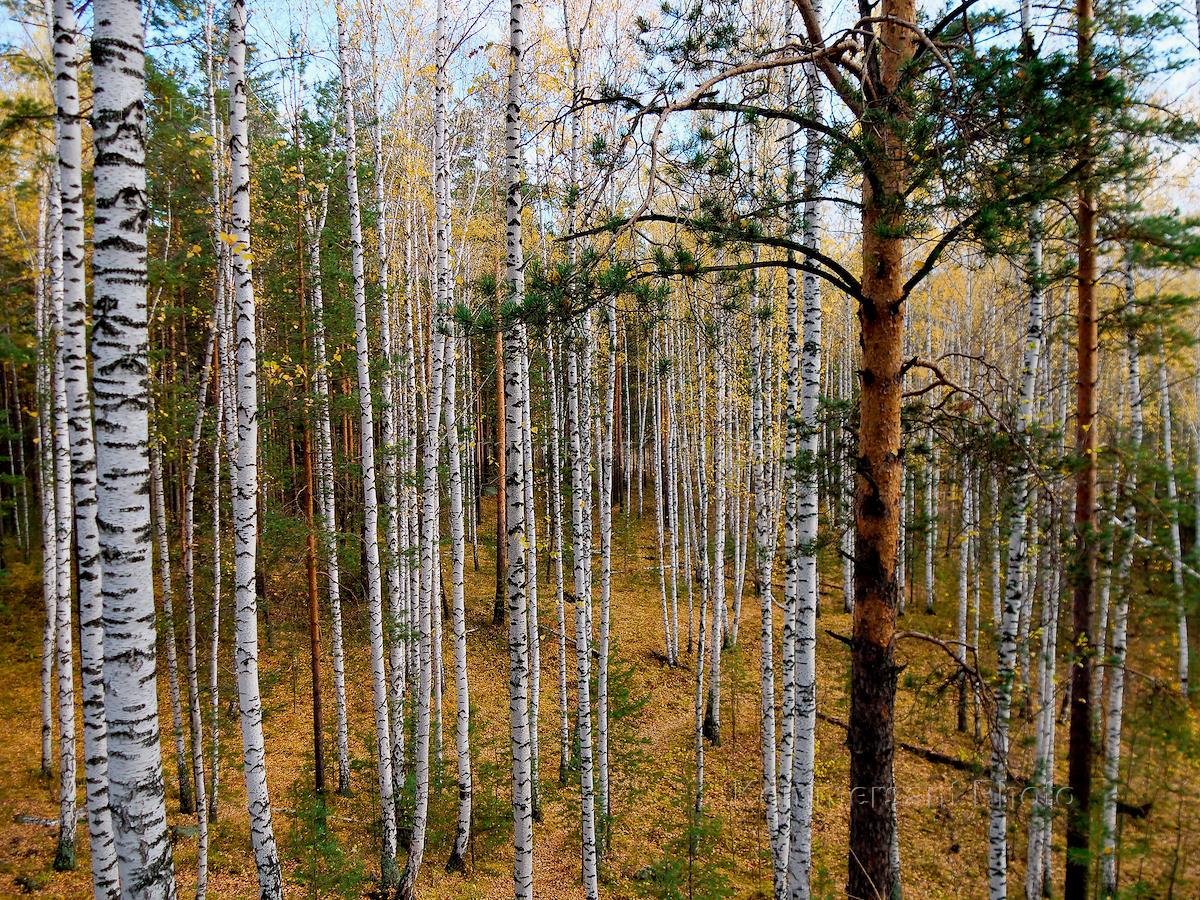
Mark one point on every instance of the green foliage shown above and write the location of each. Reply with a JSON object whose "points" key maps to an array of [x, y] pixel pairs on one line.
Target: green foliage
{"points": [[322, 867], [688, 868]]}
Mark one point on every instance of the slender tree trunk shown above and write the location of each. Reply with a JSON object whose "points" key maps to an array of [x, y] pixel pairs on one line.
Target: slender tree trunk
{"points": [[516, 397], [712, 717], [195, 716], [764, 557], [75, 382], [1015, 594], [246, 493], [556, 512], [379, 686], [804, 365], [501, 600], [583, 652], [606, 527], [1115, 701], [1176, 549], [429, 608], [120, 360], [46, 490], [462, 698], [326, 494], [64, 857], [964, 573], [1079, 776]]}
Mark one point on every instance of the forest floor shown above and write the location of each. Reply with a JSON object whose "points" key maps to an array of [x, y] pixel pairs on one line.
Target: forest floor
{"points": [[942, 806]]}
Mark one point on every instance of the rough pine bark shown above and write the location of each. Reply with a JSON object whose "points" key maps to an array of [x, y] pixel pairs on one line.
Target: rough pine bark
{"points": [[1079, 753], [877, 483]]}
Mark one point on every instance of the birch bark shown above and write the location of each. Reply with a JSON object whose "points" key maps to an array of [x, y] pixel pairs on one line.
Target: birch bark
{"points": [[120, 365]]}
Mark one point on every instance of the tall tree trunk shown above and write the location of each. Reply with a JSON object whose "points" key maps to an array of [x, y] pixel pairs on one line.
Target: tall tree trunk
{"points": [[429, 608], [516, 397], [1115, 701], [804, 366], [366, 414], [877, 491], [1015, 594], [159, 513], [326, 494], [1176, 549], [764, 558], [608, 421], [501, 600], [195, 716], [46, 487], [583, 652], [74, 376], [120, 361], [712, 716], [246, 493], [1079, 775], [64, 857], [556, 513], [462, 697]]}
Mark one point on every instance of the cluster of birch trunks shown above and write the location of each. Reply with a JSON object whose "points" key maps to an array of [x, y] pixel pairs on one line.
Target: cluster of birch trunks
{"points": [[735, 429]]}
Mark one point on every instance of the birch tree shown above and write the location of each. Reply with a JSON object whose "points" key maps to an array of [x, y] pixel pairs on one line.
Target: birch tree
{"points": [[366, 414], [804, 362], [1014, 586], [72, 357], [245, 472], [120, 365]]}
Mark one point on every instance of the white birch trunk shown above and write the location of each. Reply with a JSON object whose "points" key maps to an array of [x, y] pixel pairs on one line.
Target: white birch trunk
{"points": [[1115, 702], [807, 357], [535, 641], [74, 376], [579, 465], [764, 557], [195, 717], [515, 398], [379, 686], [64, 858], [158, 511], [606, 526], [712, 717], [46, 490], [556, 512], [660, 515], [964, 572], [462, 698], [430, 579], [325, 491], [245, 473], [1014, 591], [120, 360], [1168, 460]]}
